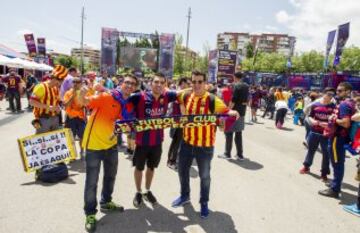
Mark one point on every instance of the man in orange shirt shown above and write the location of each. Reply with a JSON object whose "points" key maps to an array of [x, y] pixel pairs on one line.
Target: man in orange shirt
{"points": [[100, 144], [199, 142], [75, 111]]}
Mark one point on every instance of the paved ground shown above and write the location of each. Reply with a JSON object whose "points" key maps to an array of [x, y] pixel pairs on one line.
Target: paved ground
{"points": [[263, 194]]}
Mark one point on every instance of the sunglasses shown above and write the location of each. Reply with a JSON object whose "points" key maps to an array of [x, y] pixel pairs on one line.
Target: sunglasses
{"points": [[197, 81], [161, 82], [130, 83], [340, 90]]}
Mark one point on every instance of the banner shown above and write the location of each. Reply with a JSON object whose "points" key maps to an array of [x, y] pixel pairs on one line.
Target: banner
{"points": [[343, 35], [48, 148], [213, 64], [109, 39], [188, 121], [41, 46], [166, 54], [138, 35], [329, 43], [226, 62], [30, 43], [138, 58]]}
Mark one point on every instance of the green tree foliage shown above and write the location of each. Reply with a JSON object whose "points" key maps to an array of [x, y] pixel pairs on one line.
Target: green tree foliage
{"points": [[249, 50], [308, 62], [67, 61]]}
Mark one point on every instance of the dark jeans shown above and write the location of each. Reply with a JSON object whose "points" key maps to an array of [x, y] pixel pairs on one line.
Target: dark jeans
{"points": [[337, 157], [203, 156], [93, 163], [14, 96], [229, 142], [313, 140], [77, 126], [174, 146], [271, 109], [280, 116]]}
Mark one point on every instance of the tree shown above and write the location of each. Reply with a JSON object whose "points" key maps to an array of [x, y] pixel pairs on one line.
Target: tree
{"points": [[67, 61], [179, 64], [249, 50], [350, 59]]}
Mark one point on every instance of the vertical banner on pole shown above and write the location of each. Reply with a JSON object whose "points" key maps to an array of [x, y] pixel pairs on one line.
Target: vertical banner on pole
{"points": [[166, 54], [41, 46], [30, 43], [329, 43], [227, 62], [109, 38], [343, 35], [212, 66]]}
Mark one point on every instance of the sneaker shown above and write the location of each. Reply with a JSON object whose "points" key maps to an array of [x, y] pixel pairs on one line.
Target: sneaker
{"points": [[172, 166], [329, 193], [111, 206], [304, 170], [204, 212], [224, 156], [150, 198], [324, 178], [90, 223], [353, 209], [138, 200], [180, 201], [240, 158]]}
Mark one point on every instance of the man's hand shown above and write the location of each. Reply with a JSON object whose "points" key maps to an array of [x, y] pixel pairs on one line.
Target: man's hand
{"points": [[56, 109], [234, 113]]}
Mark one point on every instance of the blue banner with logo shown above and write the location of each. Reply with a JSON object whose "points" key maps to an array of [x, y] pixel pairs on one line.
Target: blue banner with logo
{"points": [[343, 35], [166, 54], [329, 43], [212, 66]]}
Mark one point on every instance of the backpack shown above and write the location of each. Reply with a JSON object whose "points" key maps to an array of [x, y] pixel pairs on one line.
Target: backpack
{"points": [[53, 173], [211, 99]]}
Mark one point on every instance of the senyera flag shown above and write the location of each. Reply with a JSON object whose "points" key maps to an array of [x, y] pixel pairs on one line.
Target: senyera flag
{"points": [[343, 35]]}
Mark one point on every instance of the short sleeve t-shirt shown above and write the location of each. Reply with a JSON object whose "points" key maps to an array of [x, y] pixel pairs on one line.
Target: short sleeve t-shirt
{"points": [[99, 131], [13, 83], [145, 106], [75, 109], [321, 113], [345, 110]]}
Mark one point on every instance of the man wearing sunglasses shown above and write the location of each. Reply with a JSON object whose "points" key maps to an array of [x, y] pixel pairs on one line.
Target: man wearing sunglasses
{"points": [[46, 100], [341, 120], [75, 111], [198, 142], [101, 146], [320, 112]]}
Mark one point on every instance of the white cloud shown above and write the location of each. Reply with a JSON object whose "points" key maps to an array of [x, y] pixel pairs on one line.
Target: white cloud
{"points": [[313, 19], [21, 32], [282, 17]]}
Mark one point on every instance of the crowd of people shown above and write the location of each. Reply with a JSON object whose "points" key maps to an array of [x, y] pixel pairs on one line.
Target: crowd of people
{"points": [[92, 103]]}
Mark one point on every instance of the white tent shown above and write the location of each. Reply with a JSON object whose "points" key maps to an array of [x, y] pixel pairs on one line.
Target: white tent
{"points": [[4, 60], [16, 63], [44, 67]]}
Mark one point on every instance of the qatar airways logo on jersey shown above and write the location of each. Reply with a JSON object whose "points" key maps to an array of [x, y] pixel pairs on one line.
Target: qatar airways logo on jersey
{"points": [[154, 112], [322, 116]]}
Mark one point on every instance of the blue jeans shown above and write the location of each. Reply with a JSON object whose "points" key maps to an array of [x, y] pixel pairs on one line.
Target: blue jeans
{"points": [[203, 156], [313, 140], [337, 157], [93, 163]]}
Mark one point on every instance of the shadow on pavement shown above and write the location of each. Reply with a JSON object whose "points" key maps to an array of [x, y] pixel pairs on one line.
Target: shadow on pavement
{"points": [[161, 219], [287, 129], [66, 181], [247, 164], [347, 198], [77, 166], [343, 185]]}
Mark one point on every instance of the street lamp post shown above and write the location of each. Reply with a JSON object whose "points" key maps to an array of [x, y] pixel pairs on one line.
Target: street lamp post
{"points": [[82, 39]]}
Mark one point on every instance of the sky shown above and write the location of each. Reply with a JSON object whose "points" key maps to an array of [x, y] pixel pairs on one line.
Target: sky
{"points": [[60, 22]]}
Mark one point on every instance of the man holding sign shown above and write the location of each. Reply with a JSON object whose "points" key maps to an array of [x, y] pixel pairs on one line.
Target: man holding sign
{"points": [[199, 141], [100, 144]]}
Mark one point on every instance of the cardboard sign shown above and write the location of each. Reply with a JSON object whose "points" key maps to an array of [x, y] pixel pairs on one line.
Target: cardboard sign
{"points": [[48, 148]]}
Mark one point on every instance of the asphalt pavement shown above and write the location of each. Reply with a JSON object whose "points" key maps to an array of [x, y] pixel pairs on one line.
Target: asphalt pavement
{"points": [[264, 193]]}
